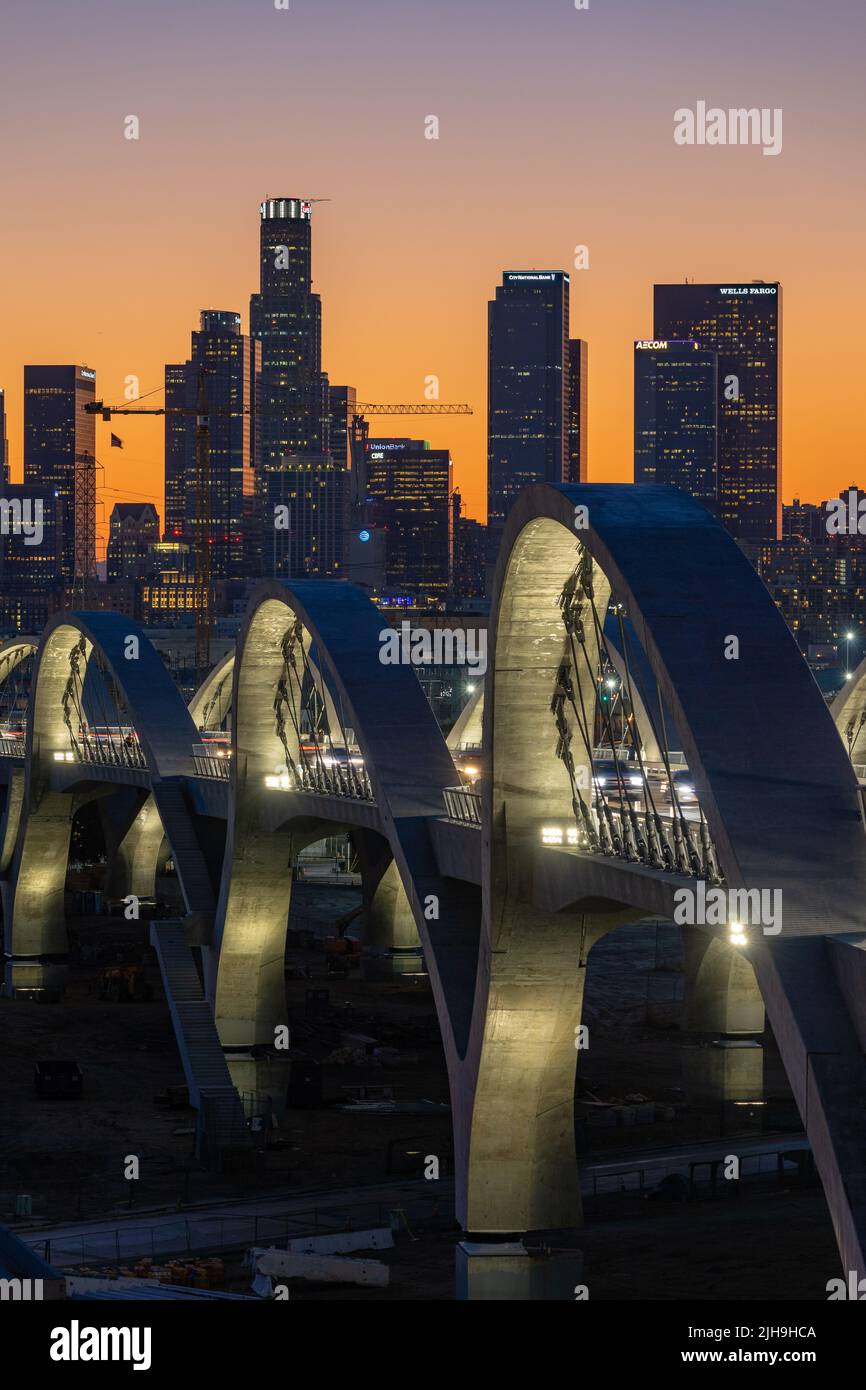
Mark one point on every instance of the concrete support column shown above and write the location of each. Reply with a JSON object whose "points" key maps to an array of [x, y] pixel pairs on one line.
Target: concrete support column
{"points": [[722, 1001], [391, 945], [522, 1158], [134, 836], [250, 984], [36, 921]]}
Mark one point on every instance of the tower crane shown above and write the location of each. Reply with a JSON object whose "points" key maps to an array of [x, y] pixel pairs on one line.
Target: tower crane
{"points": [[202, 412]]}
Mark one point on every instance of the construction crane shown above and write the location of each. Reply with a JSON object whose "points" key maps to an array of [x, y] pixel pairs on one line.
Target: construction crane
{"points": [[363, 408], [204, 606], [202, 413]]}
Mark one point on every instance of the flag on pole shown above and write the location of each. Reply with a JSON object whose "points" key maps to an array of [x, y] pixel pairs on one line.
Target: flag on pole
{"points": [[116, 442]]}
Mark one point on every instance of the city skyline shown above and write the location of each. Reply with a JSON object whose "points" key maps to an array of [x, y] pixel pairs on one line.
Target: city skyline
{"points": [[407, 256]]}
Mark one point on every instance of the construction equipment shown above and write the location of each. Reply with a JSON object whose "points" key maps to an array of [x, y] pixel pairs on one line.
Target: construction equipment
{"points": [[203, 595], [364, 408], [124, 984], [62, 1078], [202, 413]]}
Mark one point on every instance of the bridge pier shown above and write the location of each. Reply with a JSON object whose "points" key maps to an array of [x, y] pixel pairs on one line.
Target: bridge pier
{"points": [[36, 918], [722, 1002], [134, 836], [391, 946], [522, 1165]]}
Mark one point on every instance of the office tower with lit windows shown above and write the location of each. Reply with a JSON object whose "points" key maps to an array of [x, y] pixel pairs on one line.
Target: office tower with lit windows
{"points": [[32, 536], [226, 361], [132, 530], [286, 318], [470, 555], [60, 458], [528, 396], [306, 499], [342, 409], [676, 416], [177, 391], [4, 443], [742, 324], [409, 488], [578, 361]]}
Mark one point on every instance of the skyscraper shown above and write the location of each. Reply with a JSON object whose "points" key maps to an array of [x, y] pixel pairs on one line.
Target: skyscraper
{"points": [[306, 497], [470, 553], [59, 456], [32, 534], [4, 445], [409, 486], [132, 530], [578, 359], [528, 395], [342, 404], [742, 325], [230, 363], [286, 318], [676, 416], [177, 392]]}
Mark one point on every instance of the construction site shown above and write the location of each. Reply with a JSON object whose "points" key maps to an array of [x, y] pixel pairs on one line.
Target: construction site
{"points": [[99, 1173]]}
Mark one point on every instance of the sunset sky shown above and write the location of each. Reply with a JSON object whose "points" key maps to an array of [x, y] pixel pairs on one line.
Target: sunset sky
{"points": [[556, 130]]}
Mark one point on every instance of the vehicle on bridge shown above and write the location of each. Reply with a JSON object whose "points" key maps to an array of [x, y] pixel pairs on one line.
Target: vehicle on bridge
{"points": [[618, 781]]}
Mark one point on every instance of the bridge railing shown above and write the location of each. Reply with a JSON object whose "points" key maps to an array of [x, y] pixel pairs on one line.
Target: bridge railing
{"points": [[98, 754], [676, 845], [338, 780], [209, 764], [12, 747], [463, 805]]}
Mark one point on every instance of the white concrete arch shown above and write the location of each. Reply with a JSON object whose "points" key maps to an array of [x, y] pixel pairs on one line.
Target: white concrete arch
{"points": [[12, 653], [409, 768], [779, 796], [35, 925], [849, 713]]}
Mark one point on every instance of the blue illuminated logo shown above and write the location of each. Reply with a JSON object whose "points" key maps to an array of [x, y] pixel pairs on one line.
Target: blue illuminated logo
{"points": [[363, 535]]}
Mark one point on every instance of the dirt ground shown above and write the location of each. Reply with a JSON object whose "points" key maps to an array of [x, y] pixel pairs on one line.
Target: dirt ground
{"points": [[766, 1246], [69, 1156]]}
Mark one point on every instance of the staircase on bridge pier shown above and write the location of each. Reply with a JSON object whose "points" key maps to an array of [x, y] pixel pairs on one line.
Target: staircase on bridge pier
{"points": [[192, 870], [221, 1123]]}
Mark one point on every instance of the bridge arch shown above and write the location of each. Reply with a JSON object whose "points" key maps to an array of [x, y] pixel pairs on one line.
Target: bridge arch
{"points": [[35, 922], [13, 654], [849, 713], [139, 844], [408, 767], [777, 790]]}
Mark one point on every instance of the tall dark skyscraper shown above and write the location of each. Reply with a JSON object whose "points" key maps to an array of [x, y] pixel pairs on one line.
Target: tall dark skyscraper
{"points": [[59, 456], [307, 505], [4, 444], [410, 487], [286, 318], [676, 416], [230, 362], [742, 324], [31, 552], [470, 555], [578, 360], [342, 402], [528, 395], [176, 462], [132, 529]]}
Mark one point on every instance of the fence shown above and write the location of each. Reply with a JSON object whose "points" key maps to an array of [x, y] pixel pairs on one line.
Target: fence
{"points": [[210, 1234]]}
